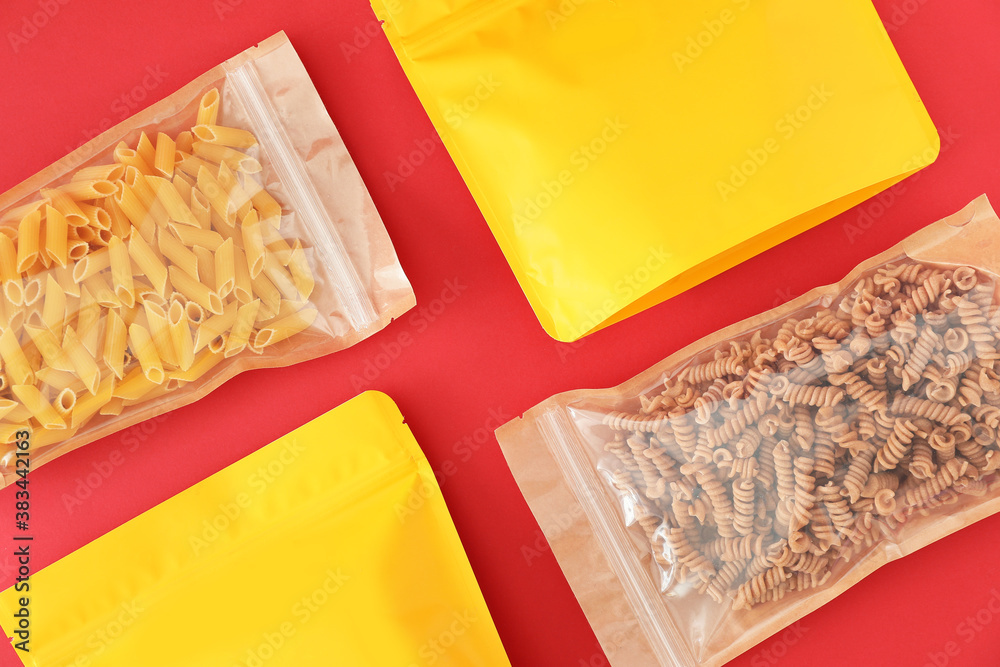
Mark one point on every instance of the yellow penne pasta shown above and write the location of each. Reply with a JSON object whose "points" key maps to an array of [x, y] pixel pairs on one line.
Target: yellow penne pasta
{"points": [[172, 201], [236, 160], [145, 149], [285, 327], [270, 297], [280, 277], [12, 285], [163, 159], [28, 233], [85, 234], [241, 200], [91, 265], [206, 266], [191, 165], [64, 403], [97, 217], [201, 208], [101, 290], [302, 275], [88, 405], [204, 361], [195, 313], [13, 314], [179, 256], [135, 211], [64, 276], [88, 318], [15, 363], [54, 306], [59, 380], [218, 344], [196, 236], [56, 236], [144, 350], [77, 250], [149, 263], [20, 414], [180, 335], [276, 244], [69, 208], [184, 141], [184, 185], [114, 406], [243, 288], [214, 326], [9, 429], [225, 268], [40, 409], [32, 290], [120, 225], [130, 158], [87, 190], [227, 136], [217, 196], [253, 244], [143, 189], [121, 271], [49, 347], [18, 213], [84, 363], [100, 172], [115, 341], [239, 336], [208, 108], [195, 290], [267, 207], [159, 331], [6, 406]]}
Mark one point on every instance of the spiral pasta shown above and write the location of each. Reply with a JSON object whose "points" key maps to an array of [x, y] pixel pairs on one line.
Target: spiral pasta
{"points": [[798, 446]]}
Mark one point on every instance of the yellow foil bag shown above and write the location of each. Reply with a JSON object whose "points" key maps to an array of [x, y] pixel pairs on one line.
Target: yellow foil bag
{"points": [[622, 152], [330, 546]]}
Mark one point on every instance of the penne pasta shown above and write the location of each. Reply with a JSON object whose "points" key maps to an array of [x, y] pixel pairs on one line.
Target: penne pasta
{"points": [[253, 244], [159, 330], [144, 350], [40, 409], [115, 342], [56, 236], [270, 297], [197, 236], [121, 271], [226, 136], [184, 141], [64, 403], [241, 200], [84, 364], [180, 335], [149, 263], [179, 256], [100, 172], [130, 158], [215, 326], [91, 265], [48, 345], [217, 197], [54, 306], [281, 279], [18, 213], [12, 286], [97, 217], [225, 268], [284, 328], [236, 160], [173, 203], [87, 404], [302, 275], [28, 233], [239, 336], [145, 149], [201, 208], [208, 108], [15, 363], [195, 290], [85, 190], [69, 208], [163, 158]]}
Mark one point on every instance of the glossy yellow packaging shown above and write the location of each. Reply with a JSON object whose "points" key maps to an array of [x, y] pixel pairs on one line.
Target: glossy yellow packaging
{"points": [[622, 152], [330, 546]]}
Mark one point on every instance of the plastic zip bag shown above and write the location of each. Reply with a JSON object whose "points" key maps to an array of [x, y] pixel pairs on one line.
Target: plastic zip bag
{"points": [[753, 476], [623, 152], [332, 545], [222, 229]]}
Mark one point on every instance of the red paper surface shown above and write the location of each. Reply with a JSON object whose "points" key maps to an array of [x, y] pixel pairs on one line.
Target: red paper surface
{"points": [[472, 354]]}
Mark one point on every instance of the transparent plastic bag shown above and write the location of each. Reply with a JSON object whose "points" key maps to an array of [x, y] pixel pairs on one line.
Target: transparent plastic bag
{"points": [[753, 476], [222, 229]]}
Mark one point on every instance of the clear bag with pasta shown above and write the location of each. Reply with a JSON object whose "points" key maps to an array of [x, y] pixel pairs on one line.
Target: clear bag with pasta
{"points": [[751, 477], [224, 228]]}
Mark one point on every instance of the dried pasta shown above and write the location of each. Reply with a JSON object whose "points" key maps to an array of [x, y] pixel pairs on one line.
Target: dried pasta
{"points": [[157, 271], [787, 452]]}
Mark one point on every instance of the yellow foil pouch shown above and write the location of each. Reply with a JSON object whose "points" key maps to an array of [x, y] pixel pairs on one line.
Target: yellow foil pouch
{"points": [[623, 152], [330, 546]]}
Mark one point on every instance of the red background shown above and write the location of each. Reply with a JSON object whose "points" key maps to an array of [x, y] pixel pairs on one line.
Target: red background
{"points": [[485, 354]]}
